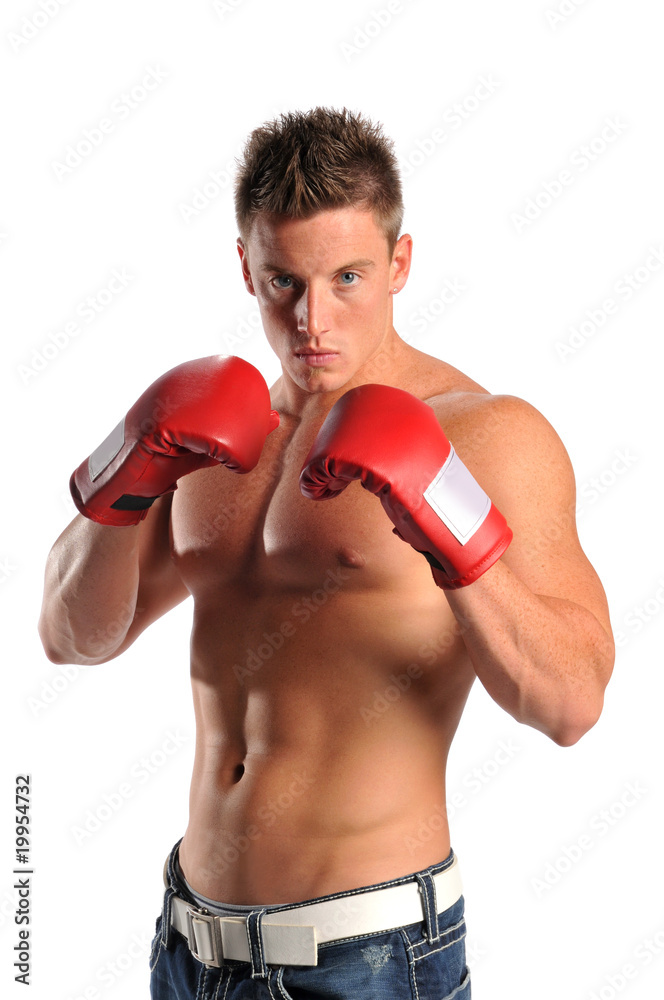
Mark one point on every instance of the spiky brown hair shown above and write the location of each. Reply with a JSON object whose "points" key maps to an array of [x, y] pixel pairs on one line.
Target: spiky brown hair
{"points": [[306, 161]]}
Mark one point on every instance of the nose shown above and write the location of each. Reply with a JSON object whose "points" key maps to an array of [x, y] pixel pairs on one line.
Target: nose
{"points": [[312, 312]]}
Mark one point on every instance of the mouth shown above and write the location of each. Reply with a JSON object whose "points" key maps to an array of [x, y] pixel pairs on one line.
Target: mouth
{"points": [[315, 358]]}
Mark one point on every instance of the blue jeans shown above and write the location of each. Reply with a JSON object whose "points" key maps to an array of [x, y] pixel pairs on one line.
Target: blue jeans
{"points": [[422, 961]]}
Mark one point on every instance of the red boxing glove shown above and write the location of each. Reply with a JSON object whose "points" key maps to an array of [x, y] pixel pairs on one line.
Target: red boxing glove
{"points": [[202, 413], [392, 442]]}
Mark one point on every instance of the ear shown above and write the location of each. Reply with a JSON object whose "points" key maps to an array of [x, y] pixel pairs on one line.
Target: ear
{"points": [[401, 260], [246, 273]]}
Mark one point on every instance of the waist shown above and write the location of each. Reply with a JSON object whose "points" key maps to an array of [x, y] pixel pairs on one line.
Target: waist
{"points": [[320, 836], [293, 933]]}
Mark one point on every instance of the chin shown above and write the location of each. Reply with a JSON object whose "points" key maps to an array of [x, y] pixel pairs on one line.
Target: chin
{"points": [[319, 380]]}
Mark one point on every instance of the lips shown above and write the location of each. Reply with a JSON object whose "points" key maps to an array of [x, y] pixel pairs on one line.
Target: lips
{"points": [[315, 350], [316, 357]]}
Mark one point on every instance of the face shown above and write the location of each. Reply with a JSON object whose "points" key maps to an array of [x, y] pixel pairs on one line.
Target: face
{"points": [[324, 287]]}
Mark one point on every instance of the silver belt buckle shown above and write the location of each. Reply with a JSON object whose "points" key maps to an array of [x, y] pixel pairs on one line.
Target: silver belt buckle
{"points": [[204, 938]]}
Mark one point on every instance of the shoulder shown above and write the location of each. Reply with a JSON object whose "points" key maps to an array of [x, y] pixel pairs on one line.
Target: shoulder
{"points": [[493, 434], [510, 448], [517, 457], [479, 418]]}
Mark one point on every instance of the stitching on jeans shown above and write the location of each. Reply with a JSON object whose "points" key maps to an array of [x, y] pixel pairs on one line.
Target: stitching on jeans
{"points": [[259, 935], [246, 930], [442, 948], [434, 906], [358, 937], [269, 986], [221, 979], [462, 986], [411, 970], [200, 989], [389, 930], [280, 983], [228, 983], [369, 888], [412, 979], [447, 930], [152, 964], [216, 992], [429, 916]]}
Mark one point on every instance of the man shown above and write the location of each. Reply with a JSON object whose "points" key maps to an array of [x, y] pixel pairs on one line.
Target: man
{"points": [[296, 876]]}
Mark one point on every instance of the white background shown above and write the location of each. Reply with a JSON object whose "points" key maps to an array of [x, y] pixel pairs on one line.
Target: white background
{"points": [[217, 71]]}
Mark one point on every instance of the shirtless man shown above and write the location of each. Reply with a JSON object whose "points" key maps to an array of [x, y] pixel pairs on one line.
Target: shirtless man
{"points": [[309, 601]]}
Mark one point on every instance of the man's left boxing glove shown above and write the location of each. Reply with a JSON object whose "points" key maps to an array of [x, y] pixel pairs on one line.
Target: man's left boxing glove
{"points": [[202, 413], [392, 442]]}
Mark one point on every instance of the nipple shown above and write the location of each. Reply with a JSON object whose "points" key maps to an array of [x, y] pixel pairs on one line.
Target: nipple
{"points": [[350, 557]]}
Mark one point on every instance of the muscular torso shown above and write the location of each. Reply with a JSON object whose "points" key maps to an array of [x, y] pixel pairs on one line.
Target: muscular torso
{"points": [[328, 678]]}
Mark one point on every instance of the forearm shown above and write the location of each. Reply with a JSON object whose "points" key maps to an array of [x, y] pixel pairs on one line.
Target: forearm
{"points": [[544, 660], [90, 590]]}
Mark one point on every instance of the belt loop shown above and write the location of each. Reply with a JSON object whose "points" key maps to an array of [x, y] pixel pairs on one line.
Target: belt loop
{"points": [[169, 892], [166, 929], [428, 893], [259, 969]]}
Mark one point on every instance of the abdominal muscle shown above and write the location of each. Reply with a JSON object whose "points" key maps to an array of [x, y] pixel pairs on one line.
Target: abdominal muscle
{"points": [[320, 761]]}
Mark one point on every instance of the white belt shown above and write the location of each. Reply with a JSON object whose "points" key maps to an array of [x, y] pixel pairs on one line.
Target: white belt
{"points": [[291, 937]]}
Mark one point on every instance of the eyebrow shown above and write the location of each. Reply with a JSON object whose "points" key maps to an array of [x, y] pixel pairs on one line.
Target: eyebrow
{"points": [[346, 267]]}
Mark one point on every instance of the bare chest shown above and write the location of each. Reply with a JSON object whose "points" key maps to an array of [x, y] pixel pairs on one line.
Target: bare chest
{"points": [[259, 530]]}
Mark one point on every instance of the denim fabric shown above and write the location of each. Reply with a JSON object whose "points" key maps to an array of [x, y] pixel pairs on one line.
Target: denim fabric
{"points": [[421, 961]]}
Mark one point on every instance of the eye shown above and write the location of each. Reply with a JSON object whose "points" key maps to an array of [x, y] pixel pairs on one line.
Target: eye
{"points": [[282, 281], [348, 278]]}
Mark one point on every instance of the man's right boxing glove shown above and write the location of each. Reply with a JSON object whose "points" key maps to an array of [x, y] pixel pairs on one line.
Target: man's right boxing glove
{"points": [[202, 413], [392, 443]]}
